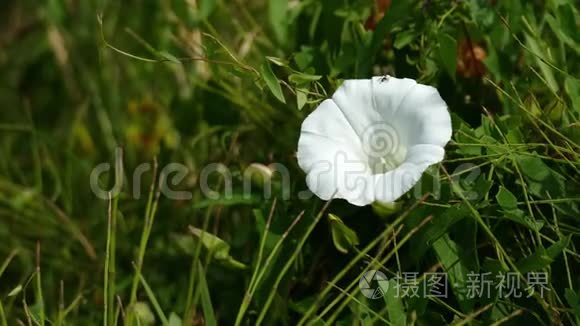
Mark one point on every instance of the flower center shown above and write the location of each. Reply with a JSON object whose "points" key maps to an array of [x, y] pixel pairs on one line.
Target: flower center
{"points": [[384, 147], [388, 162]]}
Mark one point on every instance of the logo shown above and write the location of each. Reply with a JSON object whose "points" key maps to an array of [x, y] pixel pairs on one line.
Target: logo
{"points": [[373, 283], [380, 140]]}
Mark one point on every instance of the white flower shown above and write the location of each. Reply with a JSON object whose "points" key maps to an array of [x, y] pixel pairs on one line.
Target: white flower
{"points": [[373, 140]]}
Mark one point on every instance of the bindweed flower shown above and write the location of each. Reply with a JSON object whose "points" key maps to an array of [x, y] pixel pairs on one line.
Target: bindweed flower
{"points": [[373, 139]]}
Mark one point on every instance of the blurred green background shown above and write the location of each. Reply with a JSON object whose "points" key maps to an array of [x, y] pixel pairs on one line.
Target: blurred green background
{"points": [[210, 81]]}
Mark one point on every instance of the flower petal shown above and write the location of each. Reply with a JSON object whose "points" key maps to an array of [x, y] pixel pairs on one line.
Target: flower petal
{"points": [[332, 171], [331, 154], [388, 94], [355, 100], [424, 116], [425, 154], [392, 185], [329, 121]]}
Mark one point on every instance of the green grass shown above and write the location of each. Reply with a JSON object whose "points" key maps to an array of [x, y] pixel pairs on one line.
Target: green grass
{"points": [[229, 82]]}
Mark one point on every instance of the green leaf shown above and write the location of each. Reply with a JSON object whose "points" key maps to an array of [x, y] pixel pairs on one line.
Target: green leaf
{"points": [[217, 247], [143, 313], [465, 134], [539, 49], [493, 265], [394, 303], [404, 38], [206, 305], [448, 53], [277, 11], [304, 58], [540, 178], [174, 320], [343, 237], [567, 21], [168, 56], [55, 11], [559, 31], [260, 221], [206, 8], [439, 226], [398, 11], [506, 199], [534, 168], [301, 306], [518, 216], [572, 86], [448, 253], [278, 61], [301, 97], [303, 79], [573, 300], [259, 174], [153, 300], [472, 190], [542, 258], [272, 82], [36, 313], [15, 291], [385, 209], [482, 13]]}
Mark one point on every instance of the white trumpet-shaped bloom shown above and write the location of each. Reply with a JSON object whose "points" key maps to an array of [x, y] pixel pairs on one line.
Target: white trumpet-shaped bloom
{"points": [[373, 139]]}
